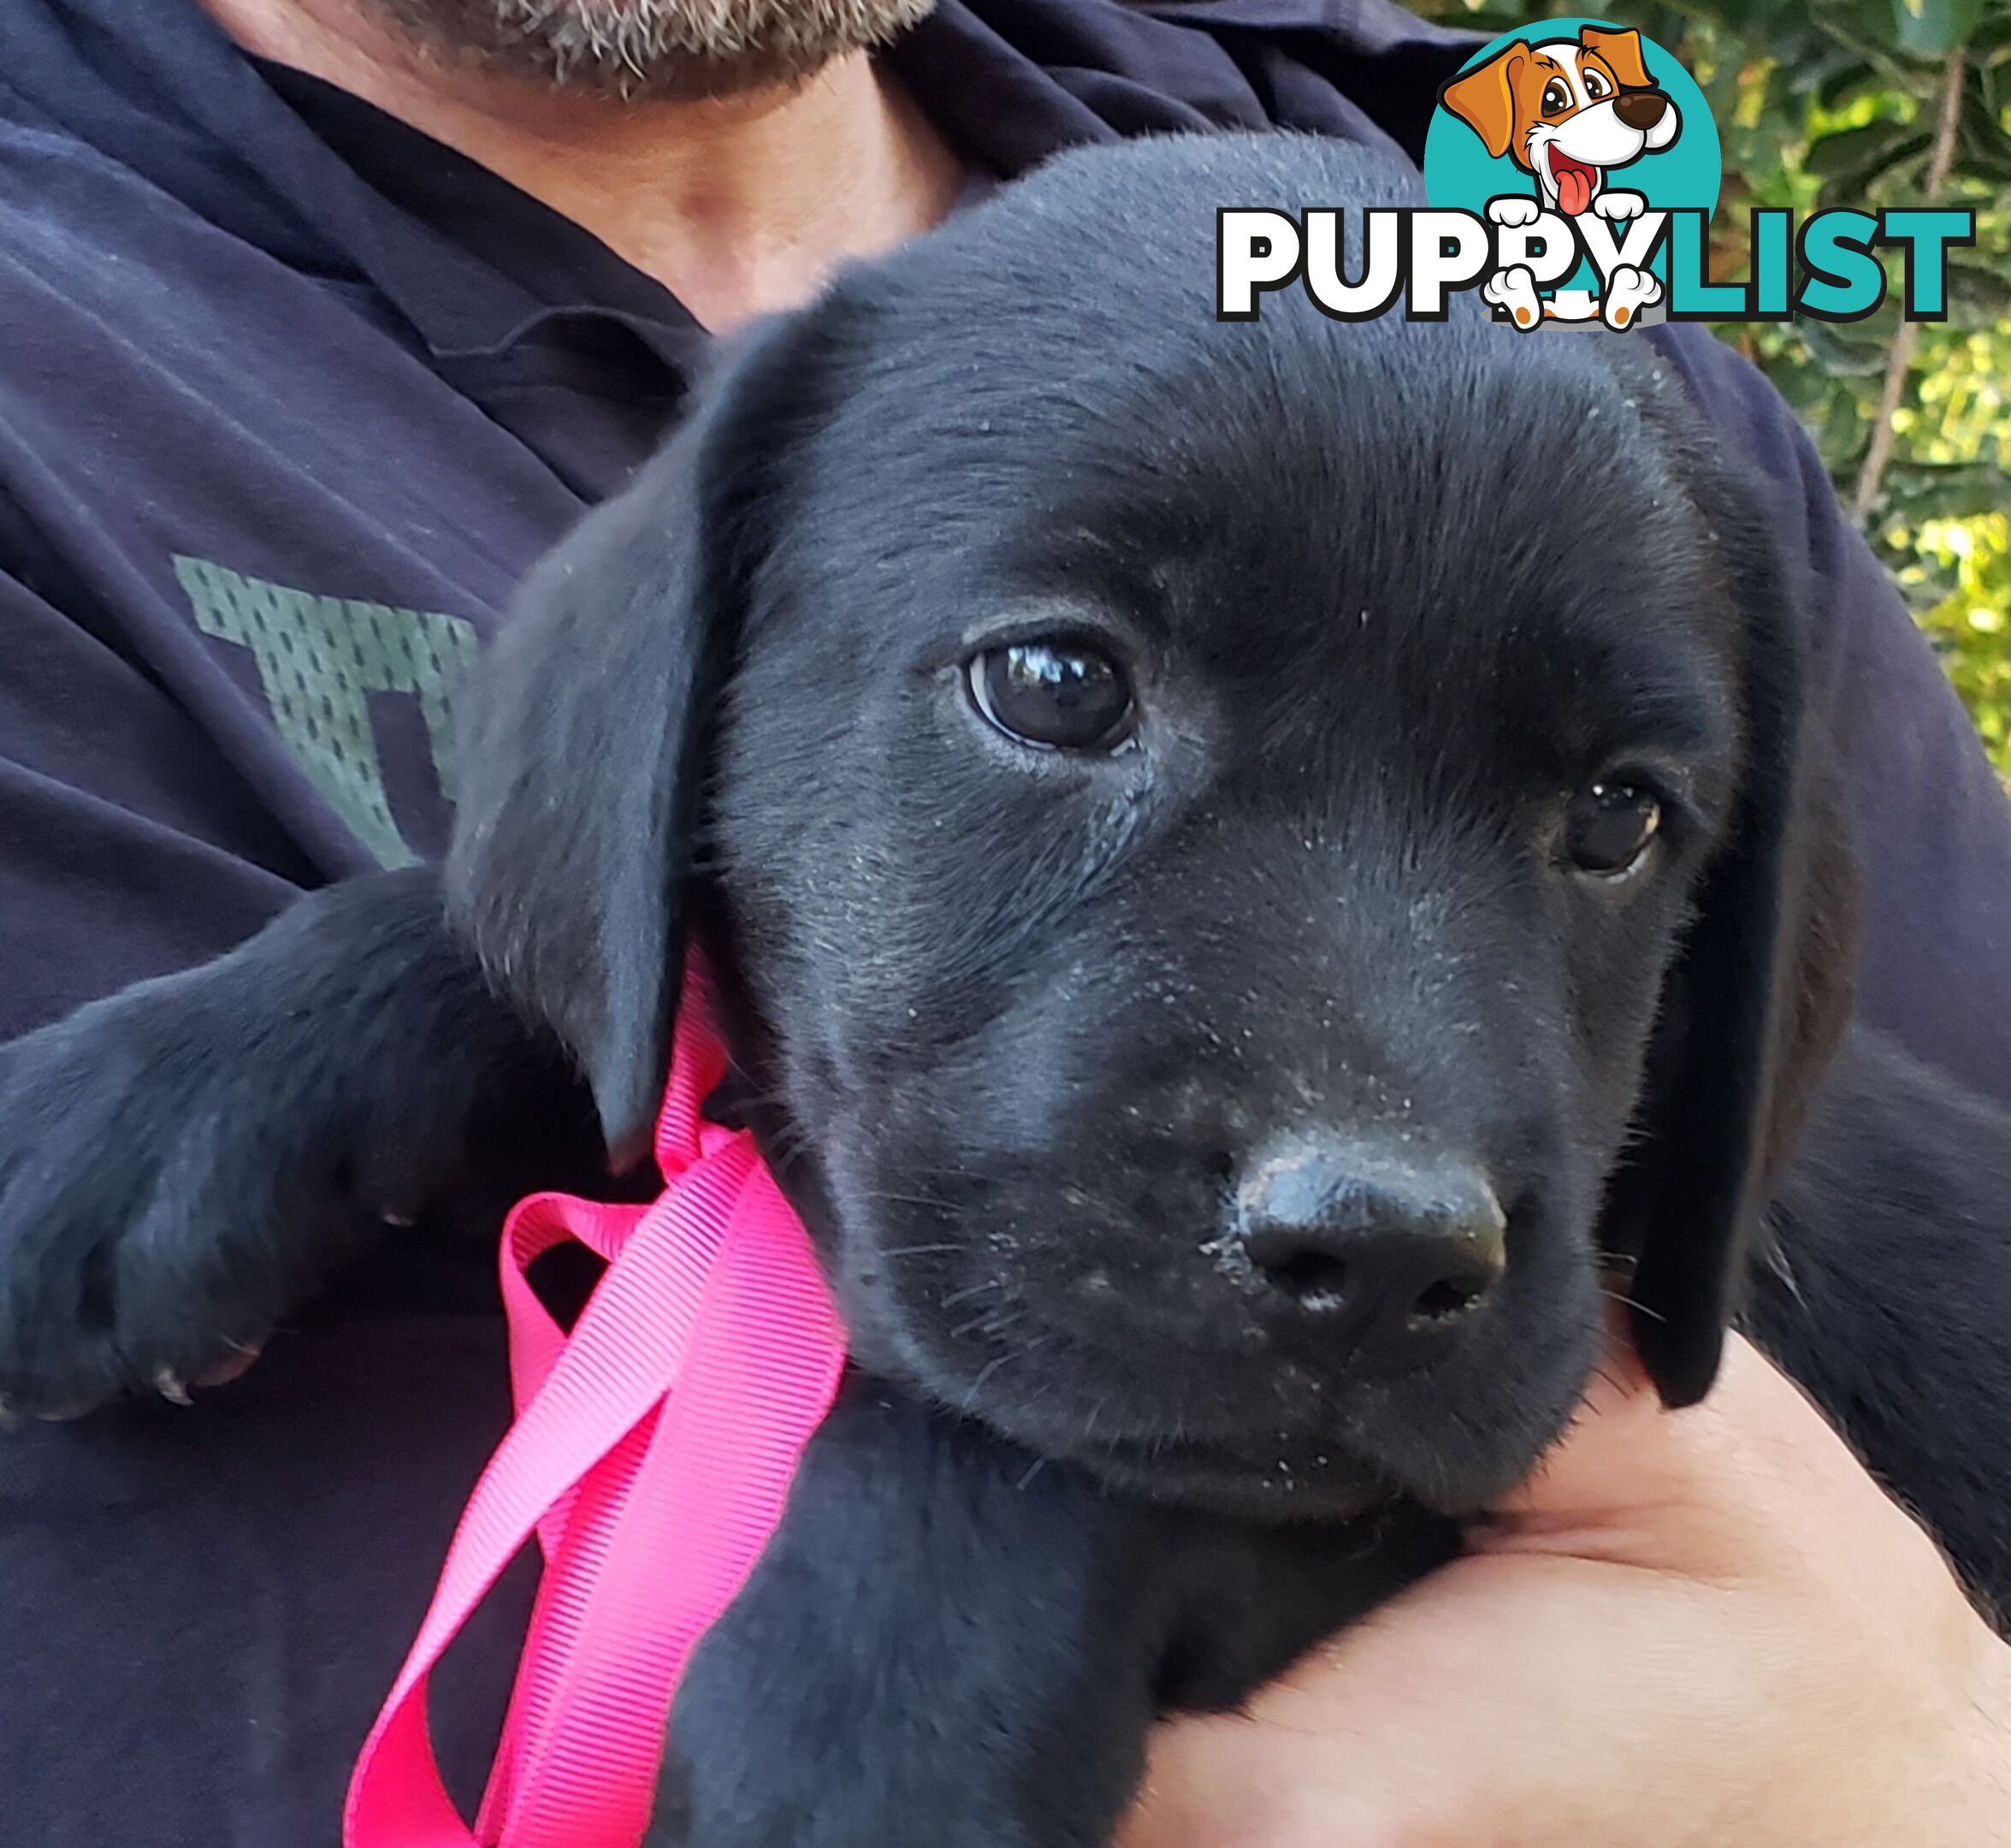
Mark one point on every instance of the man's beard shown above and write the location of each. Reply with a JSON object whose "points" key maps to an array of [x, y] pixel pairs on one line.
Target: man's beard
{"points": [[653, 48]]}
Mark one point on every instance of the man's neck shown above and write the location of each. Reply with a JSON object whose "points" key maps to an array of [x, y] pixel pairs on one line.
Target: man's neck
{"points": [[739, 205]]}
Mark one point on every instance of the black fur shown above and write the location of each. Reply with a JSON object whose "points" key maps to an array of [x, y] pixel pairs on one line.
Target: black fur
{"points": [[182, 1163], [1883, 1284], [1014, 1029]]}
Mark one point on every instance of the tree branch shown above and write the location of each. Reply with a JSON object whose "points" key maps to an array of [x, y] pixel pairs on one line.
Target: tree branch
{"points": [[1939, 160]]}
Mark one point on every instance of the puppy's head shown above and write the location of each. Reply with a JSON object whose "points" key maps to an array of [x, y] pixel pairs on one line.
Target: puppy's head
{"points": [[1566, 110], [1253, 863]]}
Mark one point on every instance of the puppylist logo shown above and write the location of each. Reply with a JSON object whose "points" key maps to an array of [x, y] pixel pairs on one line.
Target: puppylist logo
{"points": [[1572, 169], [1577, 144]]}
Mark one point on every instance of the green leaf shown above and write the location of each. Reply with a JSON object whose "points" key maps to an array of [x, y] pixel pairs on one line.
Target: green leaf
{"points": [[1852, 149], [1949, 490], [1843, 76], [1839, 356], [1933, 28], [1850, 187], [1993, 35], [1982, 143], [1978, 298]]}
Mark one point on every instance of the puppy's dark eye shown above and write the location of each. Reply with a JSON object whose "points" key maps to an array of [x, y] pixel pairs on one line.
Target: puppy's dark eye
{"points": [[1055, 696], [1595, 86], [1608, 827], [1556, 97]]}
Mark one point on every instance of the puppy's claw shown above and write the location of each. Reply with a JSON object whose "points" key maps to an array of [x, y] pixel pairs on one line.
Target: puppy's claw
{"points": [[235, 1367], [69, 1413], [170, 1388]]}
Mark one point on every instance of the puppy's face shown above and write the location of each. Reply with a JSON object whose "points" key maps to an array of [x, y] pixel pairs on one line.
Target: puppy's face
{"points": [[1205, 851], [1565, 110], [1201, 825]]}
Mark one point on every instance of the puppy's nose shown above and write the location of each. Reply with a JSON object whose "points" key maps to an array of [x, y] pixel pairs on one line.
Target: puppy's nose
{"points": [[1391, 1250], [1640, 109]]}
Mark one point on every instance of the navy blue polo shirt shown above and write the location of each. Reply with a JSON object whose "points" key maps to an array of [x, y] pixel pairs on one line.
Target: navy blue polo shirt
{"points": [[290, 396]]}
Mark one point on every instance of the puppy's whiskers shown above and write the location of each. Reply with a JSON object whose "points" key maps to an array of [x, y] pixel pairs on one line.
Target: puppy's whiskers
{"points": [[969, 1292], [1626, 1301], [991, 1366]]}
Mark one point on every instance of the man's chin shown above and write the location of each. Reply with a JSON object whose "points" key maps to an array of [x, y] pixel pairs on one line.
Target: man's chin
{"points": [[651, 50]]}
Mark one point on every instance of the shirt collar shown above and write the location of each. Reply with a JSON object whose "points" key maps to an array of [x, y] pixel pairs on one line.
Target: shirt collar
{"points": [[474, 267]]}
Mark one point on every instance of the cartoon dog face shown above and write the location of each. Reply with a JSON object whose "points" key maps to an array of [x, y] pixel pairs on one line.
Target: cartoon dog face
{"points": [[1566, 110]]}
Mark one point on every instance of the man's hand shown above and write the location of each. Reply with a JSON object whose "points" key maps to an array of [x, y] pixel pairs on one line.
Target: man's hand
{"points": [[1709, 1627]]}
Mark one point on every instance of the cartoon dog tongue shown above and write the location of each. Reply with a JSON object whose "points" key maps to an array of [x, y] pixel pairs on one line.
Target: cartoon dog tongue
{"points": [[1574, 182]]}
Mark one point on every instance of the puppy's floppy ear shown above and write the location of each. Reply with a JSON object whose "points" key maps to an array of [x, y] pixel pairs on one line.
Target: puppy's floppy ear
{"points": [[1482, 99], [580, 786], [1621, 49], [1759, 997]]}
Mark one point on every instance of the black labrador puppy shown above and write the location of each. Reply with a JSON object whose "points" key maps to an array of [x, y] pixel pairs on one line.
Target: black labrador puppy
{"points": [[1261, 873]]}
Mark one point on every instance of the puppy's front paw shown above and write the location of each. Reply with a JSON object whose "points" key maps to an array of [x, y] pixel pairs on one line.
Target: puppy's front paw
{"points": [[1512, 210], [1515, 289], [1628, 291], [159, 1210], [1617, 205]]}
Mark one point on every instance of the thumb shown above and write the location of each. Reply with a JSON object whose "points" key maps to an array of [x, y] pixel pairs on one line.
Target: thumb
{"points": [[1489, 1707], [1566, 1680], [1705, 1494]]}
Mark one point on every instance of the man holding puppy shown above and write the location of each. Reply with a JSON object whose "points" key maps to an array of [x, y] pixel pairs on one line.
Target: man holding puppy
{"points": [[326, 317]]}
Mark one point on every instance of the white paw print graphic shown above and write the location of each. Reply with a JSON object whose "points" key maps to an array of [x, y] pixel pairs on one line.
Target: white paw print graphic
{"points": [[1515, 289], [1628, 291], [1619, 205]]}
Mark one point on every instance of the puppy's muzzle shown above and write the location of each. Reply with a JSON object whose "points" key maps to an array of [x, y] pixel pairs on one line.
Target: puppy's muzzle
{"points": [[1390, 1251]]}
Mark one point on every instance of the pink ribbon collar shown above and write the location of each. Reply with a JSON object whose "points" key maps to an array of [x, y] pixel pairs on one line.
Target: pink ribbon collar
{"points": [[651, 1455]]}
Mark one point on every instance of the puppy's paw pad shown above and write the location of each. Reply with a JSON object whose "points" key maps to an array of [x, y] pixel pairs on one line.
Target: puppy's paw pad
{"points": [[149, 1231]]}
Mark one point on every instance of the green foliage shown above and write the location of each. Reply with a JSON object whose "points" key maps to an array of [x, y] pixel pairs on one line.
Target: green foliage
{"points": [[1841, 103]]}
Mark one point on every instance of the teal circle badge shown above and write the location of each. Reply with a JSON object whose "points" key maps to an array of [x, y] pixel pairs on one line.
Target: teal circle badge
{"points": [[1581, 119]]}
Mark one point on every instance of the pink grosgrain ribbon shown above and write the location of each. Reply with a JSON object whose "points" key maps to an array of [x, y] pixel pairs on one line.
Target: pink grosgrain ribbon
{"points": [[651, 1455]]}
